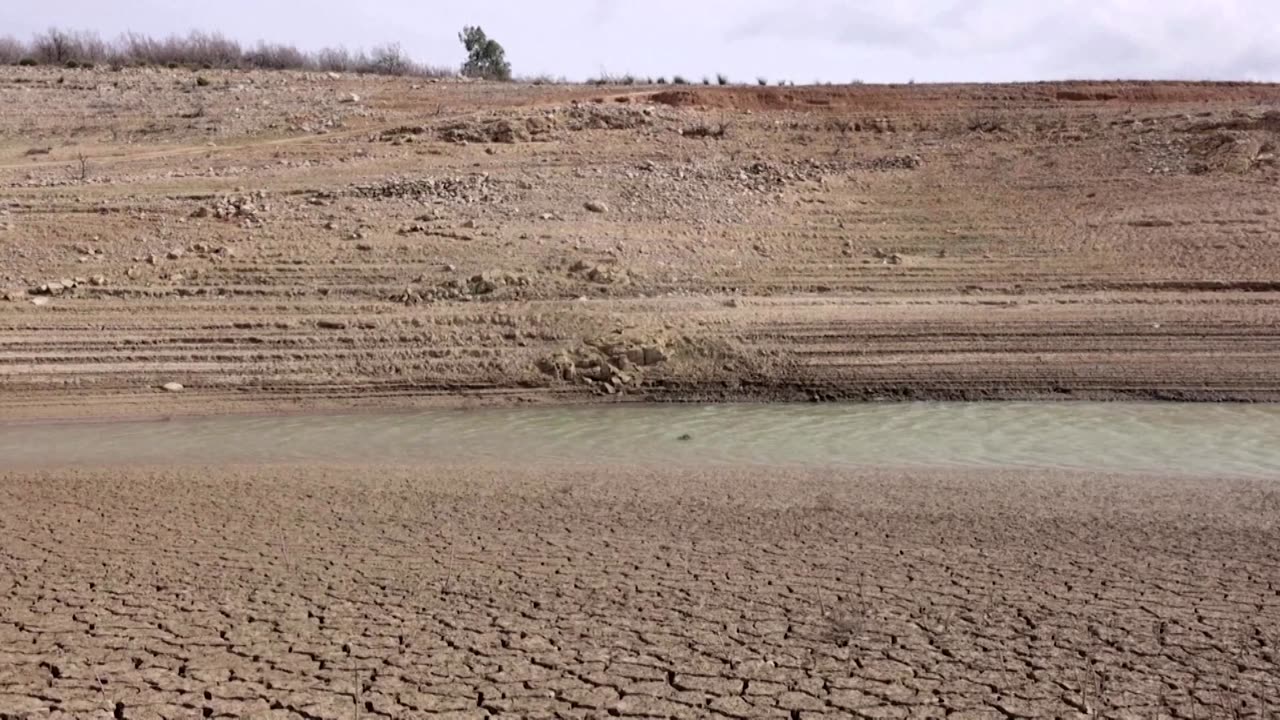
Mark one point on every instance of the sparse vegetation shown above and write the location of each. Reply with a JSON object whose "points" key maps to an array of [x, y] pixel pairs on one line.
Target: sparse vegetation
{"points": [[762, 82], [201, 50], [11, 51], [543, 79], [607, 79], [485, 57], [679, 80], [986, 122], [80, 171], [717, 131], [722, 79]]}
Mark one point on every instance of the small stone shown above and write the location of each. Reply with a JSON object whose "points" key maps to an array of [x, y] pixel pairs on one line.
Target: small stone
{"points": [[653, 355], [176, 253], [364, 246], [596, 206], [334, 76], [98, 280], [15, 295], [331, 325], [351, 98], [173, 387]]}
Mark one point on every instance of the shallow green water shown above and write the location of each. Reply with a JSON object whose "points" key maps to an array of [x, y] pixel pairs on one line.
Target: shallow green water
{"points": [[1196, 439]]}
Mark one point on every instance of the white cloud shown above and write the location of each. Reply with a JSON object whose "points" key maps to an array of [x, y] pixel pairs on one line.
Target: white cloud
{"points": [[804, 40]]}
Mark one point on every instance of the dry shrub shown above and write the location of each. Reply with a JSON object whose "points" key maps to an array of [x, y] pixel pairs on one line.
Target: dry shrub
{"points": [[205, 50], [11, 50]]}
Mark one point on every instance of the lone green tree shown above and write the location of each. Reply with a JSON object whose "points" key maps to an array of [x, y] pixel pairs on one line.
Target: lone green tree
{"points": [[485, 57]]}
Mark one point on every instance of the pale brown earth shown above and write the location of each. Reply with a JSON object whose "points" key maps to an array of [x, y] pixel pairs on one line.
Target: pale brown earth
{"points": [[431, 241], [470, 592]]}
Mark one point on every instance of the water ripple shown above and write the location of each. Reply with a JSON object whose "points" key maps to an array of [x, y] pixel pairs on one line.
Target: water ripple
{"points": [[1196, 439]]}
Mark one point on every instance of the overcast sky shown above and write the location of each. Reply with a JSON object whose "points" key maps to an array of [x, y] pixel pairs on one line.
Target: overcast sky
{"points": [[800, 40]]}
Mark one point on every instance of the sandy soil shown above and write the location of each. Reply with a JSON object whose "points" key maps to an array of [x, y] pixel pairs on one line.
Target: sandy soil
{"points": [[269, 243], [331, 592]]}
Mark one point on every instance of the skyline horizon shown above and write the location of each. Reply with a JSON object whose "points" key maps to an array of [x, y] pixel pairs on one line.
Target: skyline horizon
{"points": [[806, 42]]}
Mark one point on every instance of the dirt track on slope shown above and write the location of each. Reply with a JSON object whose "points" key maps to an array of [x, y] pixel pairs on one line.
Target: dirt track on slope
{"points": [[269, 245], [278, 592]]}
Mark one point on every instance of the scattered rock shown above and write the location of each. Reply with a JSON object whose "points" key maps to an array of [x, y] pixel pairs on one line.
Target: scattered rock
{"points": [[39, 301], [245, 208], [600, 274], [55, 287], [893, 162], [331, 324], [350, 98], [504, 130], [479, 188], [652, 355], [596, 206], [408, 297], [98, 280], [609, 366], [491, 280], [15, 295], [176, 253], [173, 387]]}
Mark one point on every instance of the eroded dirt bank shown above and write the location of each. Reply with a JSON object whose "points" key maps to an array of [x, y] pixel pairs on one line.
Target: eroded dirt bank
{"points": [[284, 240], [331, 592]]}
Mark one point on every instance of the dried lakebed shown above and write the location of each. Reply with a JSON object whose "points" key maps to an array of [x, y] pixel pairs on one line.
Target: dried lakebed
{"points": [[898, 561]]}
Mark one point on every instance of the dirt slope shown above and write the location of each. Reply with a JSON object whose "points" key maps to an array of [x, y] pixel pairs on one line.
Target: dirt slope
{"points": [[276, 240]]}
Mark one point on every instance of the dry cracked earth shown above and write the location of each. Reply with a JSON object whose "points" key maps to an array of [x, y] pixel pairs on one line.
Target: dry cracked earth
{"points": [[290, 240], [471, 592]]}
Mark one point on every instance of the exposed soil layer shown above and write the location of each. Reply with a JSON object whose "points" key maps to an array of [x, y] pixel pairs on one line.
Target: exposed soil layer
{"points": [[468, 592], [284, 240]]}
